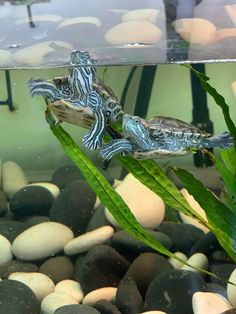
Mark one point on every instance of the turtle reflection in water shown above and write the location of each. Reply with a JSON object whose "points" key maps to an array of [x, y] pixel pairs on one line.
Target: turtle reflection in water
{"points": [[161, 136], [81, 98]]}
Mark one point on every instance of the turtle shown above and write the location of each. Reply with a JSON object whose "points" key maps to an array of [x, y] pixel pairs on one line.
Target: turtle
{"points": [[81, 98], [161, 136]]}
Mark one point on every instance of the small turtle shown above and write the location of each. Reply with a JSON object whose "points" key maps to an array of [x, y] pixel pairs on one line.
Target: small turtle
{"points": [[161, 136], [81, 98]]}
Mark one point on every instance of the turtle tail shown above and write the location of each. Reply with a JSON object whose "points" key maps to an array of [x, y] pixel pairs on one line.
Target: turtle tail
{"points": [[223, 140]]}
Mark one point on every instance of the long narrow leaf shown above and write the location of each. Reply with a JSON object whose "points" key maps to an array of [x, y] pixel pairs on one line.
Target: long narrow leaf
{"points": [[219, 99], [108, 195], [218, 215], [229, 182]]}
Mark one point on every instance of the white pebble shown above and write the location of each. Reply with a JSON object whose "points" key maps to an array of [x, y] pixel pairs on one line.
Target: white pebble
{"points": [[13, 178], [41, 240], [34, 55], [194, 204], [209, 303], [88, 240], [5, 250], [147, 207], [198, 260], [41, 284], [149, 15], [70, 287], [196, 30], [231, 289], [175, 263], [54, 189], [126, 32], [107, 293], [55, 300]]}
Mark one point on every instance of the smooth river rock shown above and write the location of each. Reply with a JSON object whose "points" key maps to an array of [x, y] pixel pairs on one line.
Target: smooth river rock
{"points": [[13, 178], [39, 283], [106, 293], [5, 249], [231, 289], [146, 267], [147, 207], [77, 309], [128, 297], [74, 206], [17, 298], [101, 267], [209, 303], [70, 287], [41, 241], [126, 32], [55, 300], [88, 240], [31, 200], [58, 268], [172, 291]]}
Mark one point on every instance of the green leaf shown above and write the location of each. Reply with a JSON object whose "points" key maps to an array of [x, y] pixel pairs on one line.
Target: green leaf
{"points": [[229, 182], [219, 99], [108, 195], [103, 189], [229, 158], [151, 175], [219, 216]]}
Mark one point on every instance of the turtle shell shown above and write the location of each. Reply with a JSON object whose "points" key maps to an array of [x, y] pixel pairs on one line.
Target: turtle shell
{"points": [[112, 107], [174, 126], [67, 112]]}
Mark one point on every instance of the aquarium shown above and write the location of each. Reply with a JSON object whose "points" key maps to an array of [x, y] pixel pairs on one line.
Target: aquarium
{"points": [[118, 157]]}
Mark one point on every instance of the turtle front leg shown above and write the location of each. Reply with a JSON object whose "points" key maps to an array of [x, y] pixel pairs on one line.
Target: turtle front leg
{"points": [[93, 139], [42, 88], [114, 147]]}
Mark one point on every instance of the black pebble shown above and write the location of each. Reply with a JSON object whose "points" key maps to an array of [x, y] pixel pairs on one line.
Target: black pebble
{"points": [[101, 267], [183, 236], [3, 203], [146, 267], [35, 220], [123, 241], [68, 174], [31, 200], [215, 288], [16, 266], [172, 291], [77, 309], [98, 219], [128, 297], [11, 229], [223, 271], [74, 206], [206, 245], [17, 298], [221, 257], [106, 307]]}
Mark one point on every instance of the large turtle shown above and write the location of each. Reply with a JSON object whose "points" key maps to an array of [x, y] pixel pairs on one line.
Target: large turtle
{"points": [[81, 98], [161, 136]]}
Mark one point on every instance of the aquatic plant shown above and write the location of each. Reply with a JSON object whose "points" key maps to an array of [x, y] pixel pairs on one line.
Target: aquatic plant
{"points": [[220, 218]]}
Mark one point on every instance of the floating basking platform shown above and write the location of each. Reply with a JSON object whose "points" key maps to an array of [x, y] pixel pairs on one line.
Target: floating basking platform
{"points": [[41, 34]]}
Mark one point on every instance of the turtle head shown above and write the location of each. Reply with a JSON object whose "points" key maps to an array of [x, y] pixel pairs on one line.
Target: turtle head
{"points": [[136, 129], [79, 57]]}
